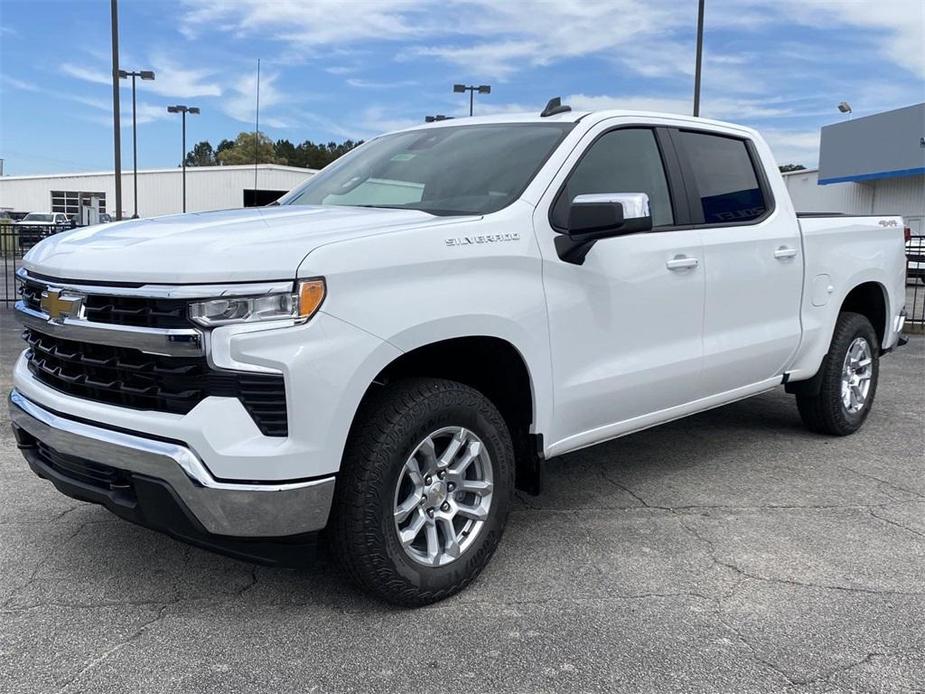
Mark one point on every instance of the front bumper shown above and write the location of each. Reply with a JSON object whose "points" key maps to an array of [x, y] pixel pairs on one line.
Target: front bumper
{"points": [[123, 466]]}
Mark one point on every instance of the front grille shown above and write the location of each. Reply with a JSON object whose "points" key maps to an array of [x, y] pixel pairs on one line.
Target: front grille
{"points": [[131, 378], [143, 312]]}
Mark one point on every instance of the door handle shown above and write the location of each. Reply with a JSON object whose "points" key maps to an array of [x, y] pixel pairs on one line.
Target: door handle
{"points": [[682, 262], [785, 252]]}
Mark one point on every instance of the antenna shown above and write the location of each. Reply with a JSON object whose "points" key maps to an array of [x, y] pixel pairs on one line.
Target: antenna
{"points": [[257, 133], [553, 107]]}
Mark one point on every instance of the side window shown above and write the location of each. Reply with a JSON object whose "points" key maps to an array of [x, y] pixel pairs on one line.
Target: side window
{"points": [[621, 161], [725, 178]]}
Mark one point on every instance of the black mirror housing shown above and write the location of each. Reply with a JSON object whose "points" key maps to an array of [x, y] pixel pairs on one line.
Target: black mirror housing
{"points": [[590, 217], [598, 216]]}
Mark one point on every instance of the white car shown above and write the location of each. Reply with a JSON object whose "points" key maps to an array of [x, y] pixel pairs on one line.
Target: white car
{"points": [[404, 339]]}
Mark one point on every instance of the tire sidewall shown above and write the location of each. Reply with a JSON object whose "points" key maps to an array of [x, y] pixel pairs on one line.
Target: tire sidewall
{"points": [[858, 327], [482, 419]]}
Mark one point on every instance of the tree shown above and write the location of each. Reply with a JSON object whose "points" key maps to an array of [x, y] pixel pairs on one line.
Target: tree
{"points": [[202, 154], [310, 155], [243, 151], [784, 168], [222, 146]]}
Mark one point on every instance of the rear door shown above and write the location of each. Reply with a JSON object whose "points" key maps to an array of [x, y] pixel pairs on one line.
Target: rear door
{"points": [[753, 263]]}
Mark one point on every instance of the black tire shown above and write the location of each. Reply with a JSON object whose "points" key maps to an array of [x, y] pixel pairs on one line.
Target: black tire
{"points": [[825, 412], [391, 423]]}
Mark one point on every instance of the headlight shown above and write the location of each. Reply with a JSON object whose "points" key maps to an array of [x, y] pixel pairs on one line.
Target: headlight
{"points": [[299, 305]]}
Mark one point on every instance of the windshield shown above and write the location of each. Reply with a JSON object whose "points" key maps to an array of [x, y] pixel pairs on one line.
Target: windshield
{"points": [[37, 217], [468, 169]]}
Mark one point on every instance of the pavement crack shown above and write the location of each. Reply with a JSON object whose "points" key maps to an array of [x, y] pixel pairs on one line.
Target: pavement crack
{"points": [[42, 562], [138, 633], [897, 524], [884, 482], [623, 487], [786, 581]]}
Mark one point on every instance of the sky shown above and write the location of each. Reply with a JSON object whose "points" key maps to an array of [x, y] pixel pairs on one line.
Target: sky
{"points": [[338, 69]]}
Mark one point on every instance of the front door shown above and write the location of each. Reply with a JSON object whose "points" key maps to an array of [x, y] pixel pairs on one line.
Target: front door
{"points": [[625, 326]]}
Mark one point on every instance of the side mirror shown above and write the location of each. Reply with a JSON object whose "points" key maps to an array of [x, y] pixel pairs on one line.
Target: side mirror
{"points": [[596, 216]]}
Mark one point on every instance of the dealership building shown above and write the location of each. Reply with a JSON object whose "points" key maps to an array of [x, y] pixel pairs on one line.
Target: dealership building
{"points": [[160, 191], [871, 165]]}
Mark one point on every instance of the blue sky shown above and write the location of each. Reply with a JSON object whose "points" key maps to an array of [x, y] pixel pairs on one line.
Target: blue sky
{"points": [[333, 69]]}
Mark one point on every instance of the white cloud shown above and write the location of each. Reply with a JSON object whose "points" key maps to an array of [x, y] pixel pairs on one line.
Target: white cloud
{"points": [[170, 79], [715, 108], [793, 146], [18, 84], [241, 104], [896, 27], [369, 84], [308, 24]]}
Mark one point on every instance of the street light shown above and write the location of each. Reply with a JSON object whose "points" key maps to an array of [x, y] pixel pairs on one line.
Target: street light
{"points": [[145, 75], [845, 108], [481, 89], [438, 117], [192, 110]]}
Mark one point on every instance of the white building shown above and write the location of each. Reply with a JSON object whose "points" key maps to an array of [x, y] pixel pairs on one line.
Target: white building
{"points": [[903, 195], [872, 165], [160, 191]]}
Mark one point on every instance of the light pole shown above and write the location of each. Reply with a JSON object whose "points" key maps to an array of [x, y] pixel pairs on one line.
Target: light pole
{"points": [[145, 75], [699, 60], [481, 89], [116, 119], [193, 110]]}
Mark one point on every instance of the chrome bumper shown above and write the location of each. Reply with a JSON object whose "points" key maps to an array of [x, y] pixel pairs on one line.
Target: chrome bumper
{"points": [[223, 508]]}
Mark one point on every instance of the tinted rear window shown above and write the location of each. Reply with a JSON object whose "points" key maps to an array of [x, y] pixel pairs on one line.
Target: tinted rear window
{"points": [[725, 176]]}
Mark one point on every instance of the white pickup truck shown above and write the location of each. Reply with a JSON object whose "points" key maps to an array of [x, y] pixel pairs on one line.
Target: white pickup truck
{"points": [[397, 344]]}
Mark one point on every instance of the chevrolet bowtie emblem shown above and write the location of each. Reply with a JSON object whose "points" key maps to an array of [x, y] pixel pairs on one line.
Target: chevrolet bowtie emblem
{"points": [[60, 307]]}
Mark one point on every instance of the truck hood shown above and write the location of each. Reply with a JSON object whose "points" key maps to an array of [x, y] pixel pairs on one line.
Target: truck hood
{"points": [[266, 243]]}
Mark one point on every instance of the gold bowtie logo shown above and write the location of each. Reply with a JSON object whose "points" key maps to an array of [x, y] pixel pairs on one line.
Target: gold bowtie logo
{"points": [[60, 307]]}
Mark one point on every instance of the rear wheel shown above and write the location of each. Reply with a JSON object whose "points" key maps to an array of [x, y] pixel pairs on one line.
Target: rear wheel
{"points": [[849, 374], [424, 491]]}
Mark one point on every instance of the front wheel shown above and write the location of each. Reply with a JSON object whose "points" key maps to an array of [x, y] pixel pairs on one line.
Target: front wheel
{"points": [[849, 374], [424, 491]]}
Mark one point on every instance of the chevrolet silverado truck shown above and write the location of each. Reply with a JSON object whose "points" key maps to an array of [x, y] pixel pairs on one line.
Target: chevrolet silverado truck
{"points": [[390, 350]]}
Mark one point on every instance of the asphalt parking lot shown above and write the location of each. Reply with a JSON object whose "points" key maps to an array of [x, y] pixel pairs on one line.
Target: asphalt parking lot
{"points": [[732, 551]]}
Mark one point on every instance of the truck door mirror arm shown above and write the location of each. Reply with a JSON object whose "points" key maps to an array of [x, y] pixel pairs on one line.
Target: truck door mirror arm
{"points": [[597, 216]]}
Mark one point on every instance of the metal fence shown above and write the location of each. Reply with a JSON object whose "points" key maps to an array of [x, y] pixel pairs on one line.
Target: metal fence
{"points": [[15, 240], [915, 284]]}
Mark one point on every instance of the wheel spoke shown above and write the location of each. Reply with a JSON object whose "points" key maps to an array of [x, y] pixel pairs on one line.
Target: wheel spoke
{"points": [[450, 538], [408, 534], [433, 543], [472, 452], [480, 487], [449, 454], [414, 473], [404, 509], [478, 512], [858, 393], [429, 453]]}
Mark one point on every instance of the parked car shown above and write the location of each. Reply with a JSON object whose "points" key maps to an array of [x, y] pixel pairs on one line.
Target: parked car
{"points": [[409, 335], [36, 226]]}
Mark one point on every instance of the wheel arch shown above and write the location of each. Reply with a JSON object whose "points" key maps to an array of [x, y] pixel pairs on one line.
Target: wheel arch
{"points": [[871, 300], [495, 367]]}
